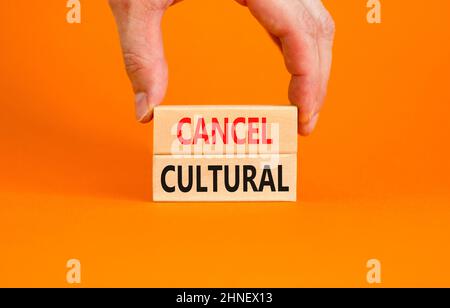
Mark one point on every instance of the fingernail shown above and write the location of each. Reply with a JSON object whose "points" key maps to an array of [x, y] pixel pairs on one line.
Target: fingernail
{"points": [[142, 108], [307, 118], [306, 129]]}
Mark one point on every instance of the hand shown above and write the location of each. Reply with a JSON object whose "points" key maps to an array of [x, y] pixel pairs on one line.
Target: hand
{"points": [[303, 29]]}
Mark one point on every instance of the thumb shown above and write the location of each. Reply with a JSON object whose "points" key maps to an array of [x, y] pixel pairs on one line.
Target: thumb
{"points": [[139, 25]]}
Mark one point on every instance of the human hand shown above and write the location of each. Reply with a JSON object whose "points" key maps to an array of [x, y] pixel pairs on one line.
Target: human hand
{"points": [[303, 29]]}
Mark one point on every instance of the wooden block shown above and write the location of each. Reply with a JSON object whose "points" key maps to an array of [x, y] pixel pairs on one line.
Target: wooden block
{"points": [[247, 177], [225, 130]]}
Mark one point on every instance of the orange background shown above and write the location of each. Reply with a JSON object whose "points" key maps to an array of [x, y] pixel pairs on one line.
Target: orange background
{"points": [[75, 177]]}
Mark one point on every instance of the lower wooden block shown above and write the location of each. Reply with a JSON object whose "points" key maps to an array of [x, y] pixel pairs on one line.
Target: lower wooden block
{"points": [[225, 178]]}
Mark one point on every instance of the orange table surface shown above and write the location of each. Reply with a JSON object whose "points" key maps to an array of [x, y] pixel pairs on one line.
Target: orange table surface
{"points": [[75, 180]]}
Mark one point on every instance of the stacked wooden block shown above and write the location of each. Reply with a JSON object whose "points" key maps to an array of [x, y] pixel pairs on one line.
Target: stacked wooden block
{"points": [[225, 153]]}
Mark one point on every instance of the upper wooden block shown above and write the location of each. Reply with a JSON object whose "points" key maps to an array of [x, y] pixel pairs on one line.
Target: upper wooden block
{"points": [[225, 130]]}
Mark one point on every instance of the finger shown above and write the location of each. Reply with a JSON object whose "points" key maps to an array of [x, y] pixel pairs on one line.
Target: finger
{"points": [[139, 25], [306, 31], [325, 35]]}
